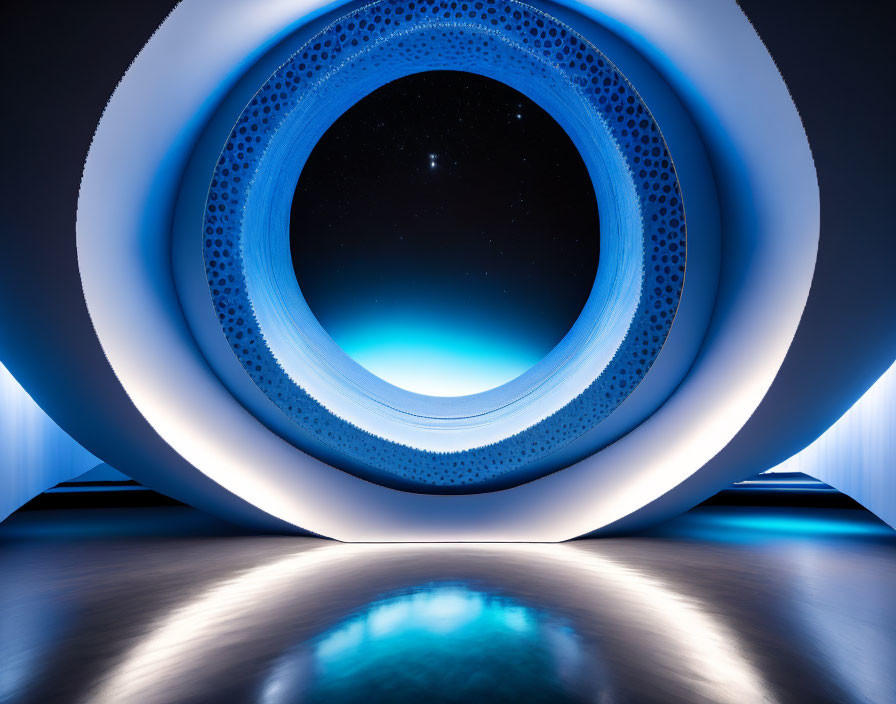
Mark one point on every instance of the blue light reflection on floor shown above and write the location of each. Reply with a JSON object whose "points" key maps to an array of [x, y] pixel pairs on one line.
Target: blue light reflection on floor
{"points": [[114, 524], [748, 524], [441, 642]]}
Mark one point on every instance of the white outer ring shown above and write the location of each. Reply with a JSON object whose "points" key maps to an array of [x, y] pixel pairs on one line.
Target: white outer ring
{"points": [[770, 228]]}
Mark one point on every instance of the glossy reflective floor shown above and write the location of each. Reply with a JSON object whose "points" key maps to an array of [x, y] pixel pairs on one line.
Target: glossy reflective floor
{"points": [[725, 604]]}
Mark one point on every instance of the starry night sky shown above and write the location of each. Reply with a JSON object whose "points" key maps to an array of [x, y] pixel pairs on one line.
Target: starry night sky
{"points": [[445, 231]]}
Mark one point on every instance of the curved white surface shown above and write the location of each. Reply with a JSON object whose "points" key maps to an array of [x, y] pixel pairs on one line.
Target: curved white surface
{"points": [[770, 229]]}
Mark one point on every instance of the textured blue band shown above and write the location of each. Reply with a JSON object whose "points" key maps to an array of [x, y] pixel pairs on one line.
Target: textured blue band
{"points": [[543, 58]]}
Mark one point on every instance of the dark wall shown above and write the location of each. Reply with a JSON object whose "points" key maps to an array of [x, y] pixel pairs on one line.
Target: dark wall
{"points": [[838, 60], [62, 61]]}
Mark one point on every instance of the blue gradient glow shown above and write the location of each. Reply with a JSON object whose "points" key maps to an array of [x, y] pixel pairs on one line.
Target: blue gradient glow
{"points": [[447, 357], [736, 524], [501, 224]]}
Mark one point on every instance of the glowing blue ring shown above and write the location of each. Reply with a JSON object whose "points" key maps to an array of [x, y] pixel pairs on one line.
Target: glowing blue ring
{"points": [[600, 88], [302, 347]]}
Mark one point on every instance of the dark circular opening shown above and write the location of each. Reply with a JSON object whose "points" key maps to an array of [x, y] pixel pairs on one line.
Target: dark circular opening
{"points": [[444, 232]]}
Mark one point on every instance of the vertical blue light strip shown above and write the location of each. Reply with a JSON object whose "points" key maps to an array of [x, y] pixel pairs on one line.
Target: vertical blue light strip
{"points": [[857, 454], [35, 453]]}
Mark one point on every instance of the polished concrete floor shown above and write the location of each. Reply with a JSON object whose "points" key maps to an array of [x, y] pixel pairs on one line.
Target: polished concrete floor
{"points": [[725, 604]]}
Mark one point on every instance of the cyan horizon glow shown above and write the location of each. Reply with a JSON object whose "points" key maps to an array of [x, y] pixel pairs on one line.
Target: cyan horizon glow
{"points": [[437, 355]]}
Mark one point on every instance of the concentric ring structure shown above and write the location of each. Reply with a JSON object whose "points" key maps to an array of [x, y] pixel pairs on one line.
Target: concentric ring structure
{"points": [[709, 217], [421, 441]]}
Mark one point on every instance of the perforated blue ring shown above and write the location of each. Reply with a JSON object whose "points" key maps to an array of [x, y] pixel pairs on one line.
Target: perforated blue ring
{"points": [[603, 90]]}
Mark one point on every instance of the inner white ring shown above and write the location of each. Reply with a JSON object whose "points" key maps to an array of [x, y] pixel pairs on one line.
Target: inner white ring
{"points": [[313, 360]]}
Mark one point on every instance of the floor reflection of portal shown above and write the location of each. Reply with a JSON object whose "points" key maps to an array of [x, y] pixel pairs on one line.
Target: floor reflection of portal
{"points": [[726, 604], [326, 596], [437, 643]]}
